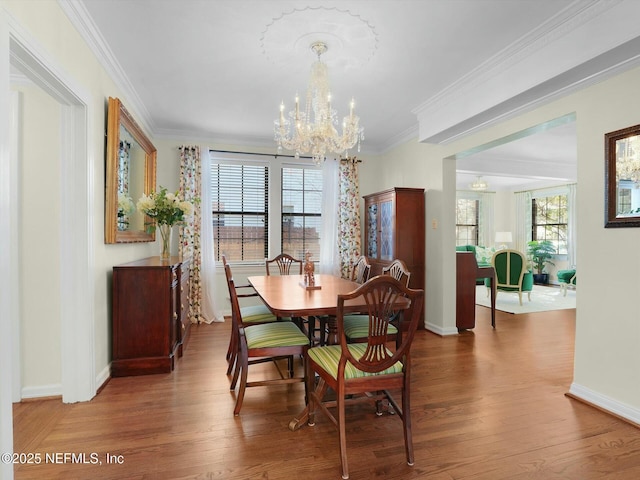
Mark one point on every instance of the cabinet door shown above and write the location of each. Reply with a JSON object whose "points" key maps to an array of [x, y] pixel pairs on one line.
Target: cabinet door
{"points": [[175, 305], [372, 230], [386, 230]]}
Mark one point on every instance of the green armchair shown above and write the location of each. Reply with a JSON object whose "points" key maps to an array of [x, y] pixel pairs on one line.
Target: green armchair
{"points": [[511, 273], [566, 278]]}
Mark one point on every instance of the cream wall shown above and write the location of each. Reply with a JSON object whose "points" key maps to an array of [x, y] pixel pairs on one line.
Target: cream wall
{"points": [[39, 232], [607, 335]]}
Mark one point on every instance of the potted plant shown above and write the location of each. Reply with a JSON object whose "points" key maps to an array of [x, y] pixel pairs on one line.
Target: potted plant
{"points": [[540, 254]]}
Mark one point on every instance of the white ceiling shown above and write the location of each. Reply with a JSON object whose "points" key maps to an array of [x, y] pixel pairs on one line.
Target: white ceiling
{"points": [[218, 69]]}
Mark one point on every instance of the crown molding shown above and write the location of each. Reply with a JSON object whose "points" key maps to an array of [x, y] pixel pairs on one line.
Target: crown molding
{"points": [[486, 96], [82, 21]]}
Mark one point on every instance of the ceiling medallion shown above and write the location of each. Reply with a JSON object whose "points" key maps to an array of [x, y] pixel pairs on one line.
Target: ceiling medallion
{"points": [[353, 41]]}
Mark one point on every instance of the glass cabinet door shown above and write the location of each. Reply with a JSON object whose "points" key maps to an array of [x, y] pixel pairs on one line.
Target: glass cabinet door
{"points": [[372, 230], [386, 230]]}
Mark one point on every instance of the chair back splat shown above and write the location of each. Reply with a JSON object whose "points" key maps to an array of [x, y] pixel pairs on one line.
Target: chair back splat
{"points": [[398, 270], [356, 325], [285, 262], [367, 371], [361, 270]]}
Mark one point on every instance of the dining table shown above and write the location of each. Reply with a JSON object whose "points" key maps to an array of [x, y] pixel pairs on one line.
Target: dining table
{"points": [[290, 296]]}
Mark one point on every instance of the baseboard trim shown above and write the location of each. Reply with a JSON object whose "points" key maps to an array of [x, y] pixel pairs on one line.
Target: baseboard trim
{"points": [[42, 391], [103, 377], [438, 330], [606, 404]]}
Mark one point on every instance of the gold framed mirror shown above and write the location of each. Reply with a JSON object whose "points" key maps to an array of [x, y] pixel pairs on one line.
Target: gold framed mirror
{"points": [[622, 178], [130, 173]]}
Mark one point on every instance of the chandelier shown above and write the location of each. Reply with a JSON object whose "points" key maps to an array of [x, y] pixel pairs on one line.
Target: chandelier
{"points": [[314, 129], [628, 159], [479, 184]]}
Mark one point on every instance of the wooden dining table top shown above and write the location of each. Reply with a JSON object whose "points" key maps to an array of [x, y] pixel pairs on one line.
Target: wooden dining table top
{"points": [[286, 295]]}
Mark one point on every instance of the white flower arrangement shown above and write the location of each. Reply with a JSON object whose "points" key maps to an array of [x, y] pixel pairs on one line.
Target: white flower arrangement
{"points": [[164, 207], [125, 205]]}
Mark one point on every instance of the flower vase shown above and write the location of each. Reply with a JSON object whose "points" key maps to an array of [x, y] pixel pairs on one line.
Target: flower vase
{"points": [[165, 240]]}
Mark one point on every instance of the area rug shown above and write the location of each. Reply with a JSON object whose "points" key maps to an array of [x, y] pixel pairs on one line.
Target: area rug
{"points": [[543, 299]]}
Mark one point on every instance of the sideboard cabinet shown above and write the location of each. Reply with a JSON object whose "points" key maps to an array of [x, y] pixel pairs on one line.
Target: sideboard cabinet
{"points": [[150, 315], [394, 228]]}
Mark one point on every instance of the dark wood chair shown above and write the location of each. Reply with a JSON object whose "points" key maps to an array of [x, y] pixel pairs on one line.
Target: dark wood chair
{"points": [[398, 270], [366, 371], [284, 262], [259, 343], [250, 314], [356, 327], [361, 270]]}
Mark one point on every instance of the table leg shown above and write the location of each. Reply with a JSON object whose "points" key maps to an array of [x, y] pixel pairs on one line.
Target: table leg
{"points": [[332, 330], [299, 420]]}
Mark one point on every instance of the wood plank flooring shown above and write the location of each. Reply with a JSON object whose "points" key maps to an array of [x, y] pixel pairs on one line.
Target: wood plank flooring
{"points": [[486, 405]]}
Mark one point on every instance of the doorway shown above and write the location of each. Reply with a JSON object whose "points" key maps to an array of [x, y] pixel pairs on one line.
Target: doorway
{"points": [[20, 52]]}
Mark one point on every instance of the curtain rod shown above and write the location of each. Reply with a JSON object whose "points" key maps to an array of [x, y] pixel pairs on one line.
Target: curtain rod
{"points": [[255, 153], [547, 188], [276, 155]]}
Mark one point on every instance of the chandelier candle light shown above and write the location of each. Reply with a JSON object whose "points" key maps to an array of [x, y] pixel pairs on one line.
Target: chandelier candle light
{"points": [[479, 185], [314, 129]]}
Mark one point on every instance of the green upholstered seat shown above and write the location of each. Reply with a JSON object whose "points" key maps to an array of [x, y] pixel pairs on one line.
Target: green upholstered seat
{"points": [[357, 326], [271, 335], [328, 357], [257, 314]]}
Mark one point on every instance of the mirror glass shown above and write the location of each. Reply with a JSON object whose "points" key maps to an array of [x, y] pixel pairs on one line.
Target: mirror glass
{"points": [[131, 172], [622, 201]]}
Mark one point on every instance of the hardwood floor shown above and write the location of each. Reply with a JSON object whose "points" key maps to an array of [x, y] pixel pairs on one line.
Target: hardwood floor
{"points": [[485, 405]]}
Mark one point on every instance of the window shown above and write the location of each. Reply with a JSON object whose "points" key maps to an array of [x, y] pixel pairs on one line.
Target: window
{"points": [[467, 221], [549, 221], [240, 195], [301, 211], [249, 191]]}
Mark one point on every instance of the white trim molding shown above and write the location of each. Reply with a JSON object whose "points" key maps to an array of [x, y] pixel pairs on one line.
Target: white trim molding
{"points": [[77, 295], [605, 403], [585, 43], [438, 330]]}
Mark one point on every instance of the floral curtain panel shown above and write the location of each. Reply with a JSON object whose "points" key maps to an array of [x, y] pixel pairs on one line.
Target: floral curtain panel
{"points": [[349, 248], [202, 306], [189, 246]]}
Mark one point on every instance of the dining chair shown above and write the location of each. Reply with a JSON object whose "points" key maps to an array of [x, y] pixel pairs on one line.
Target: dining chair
{"points": [[250, 314], [357, 372], [284, 262], [398, 270], [356, 326], [361, 270], [260, 343], [286, 266]]}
